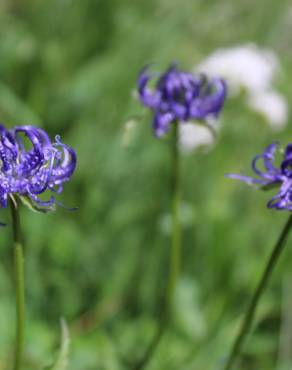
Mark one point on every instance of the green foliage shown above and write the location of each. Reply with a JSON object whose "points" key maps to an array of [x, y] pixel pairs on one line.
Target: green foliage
{"points": [[71, 67]]}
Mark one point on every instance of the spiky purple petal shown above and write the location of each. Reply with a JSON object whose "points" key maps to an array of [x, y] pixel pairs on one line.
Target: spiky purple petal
{"points": [[31, 164], [280, 176], [180, 96]]}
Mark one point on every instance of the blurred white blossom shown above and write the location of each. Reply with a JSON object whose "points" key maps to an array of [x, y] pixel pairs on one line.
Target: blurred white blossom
{"points": [[246, 66], [273, 106], [128, 132], [193, 136], [252, 69]]}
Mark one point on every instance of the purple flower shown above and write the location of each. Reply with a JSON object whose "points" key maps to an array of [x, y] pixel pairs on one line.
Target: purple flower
{"points": [[272, 175], [180, 96], [31, 164]]}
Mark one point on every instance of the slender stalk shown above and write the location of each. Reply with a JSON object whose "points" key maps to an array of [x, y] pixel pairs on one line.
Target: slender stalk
{"points": [[249, 315], [176, 232], [19, 281], [174, 262]]}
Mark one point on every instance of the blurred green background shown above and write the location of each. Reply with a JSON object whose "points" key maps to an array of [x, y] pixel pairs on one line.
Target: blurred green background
{"points": [[71, 67]]}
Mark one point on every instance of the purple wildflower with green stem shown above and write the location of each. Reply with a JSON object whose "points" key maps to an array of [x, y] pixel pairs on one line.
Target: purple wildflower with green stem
{"points": [[180, 96], [176, 97], [32, 164], [272, 175]]}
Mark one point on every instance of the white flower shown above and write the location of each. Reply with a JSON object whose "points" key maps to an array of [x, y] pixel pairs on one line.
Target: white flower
{"points": [[245, 66], [193, 136], [253, 69], [273, 106]]}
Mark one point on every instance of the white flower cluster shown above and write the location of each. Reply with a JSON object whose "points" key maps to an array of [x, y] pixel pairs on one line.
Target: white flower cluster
{"points": [[247, 68], [253, 69]]}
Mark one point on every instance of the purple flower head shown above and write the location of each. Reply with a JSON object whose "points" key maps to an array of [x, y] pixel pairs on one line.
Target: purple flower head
{"points": [[180, 96], [31, 164], [272, 175]]}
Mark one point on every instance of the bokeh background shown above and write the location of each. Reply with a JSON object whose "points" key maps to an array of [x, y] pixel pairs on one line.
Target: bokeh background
{"points": [[71, 67]]}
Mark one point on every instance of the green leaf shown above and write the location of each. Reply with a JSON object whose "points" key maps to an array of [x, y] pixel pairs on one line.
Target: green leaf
{"points": [[61, 362]]}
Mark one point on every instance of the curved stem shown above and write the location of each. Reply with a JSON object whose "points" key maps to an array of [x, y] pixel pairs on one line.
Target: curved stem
{"points": [[249, 315], [174, 262], [19, 281]]}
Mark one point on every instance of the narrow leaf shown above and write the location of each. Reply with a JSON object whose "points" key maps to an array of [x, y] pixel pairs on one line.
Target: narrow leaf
{"points": [[61, 362]]}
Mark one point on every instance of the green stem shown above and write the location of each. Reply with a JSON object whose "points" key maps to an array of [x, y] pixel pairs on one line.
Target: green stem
{"points": [[176, 232], [174, 263], [249, 315], [19, 281]]}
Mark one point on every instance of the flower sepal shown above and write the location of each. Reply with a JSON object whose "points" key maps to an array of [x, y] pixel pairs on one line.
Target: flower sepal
{"points": [[267, 187], [27, 202]]}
